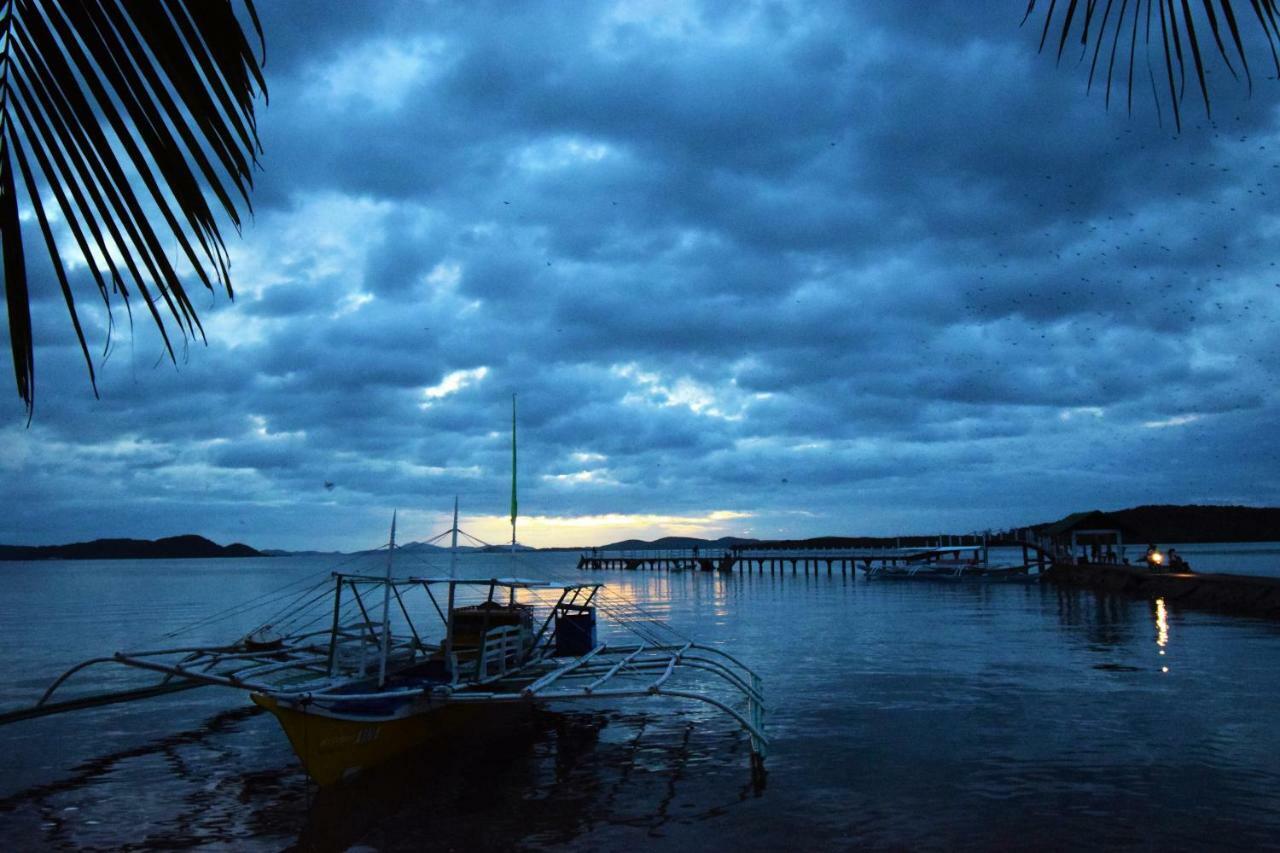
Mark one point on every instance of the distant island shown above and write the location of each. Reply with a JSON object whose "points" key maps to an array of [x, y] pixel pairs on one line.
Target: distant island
{"points": [[429, 549], [676, 543], [1172, 523], [169, 548], [1157, 523]]}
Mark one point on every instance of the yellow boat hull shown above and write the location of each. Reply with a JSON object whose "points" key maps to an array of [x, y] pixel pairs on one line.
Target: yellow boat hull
{"points": [[332, 748]]}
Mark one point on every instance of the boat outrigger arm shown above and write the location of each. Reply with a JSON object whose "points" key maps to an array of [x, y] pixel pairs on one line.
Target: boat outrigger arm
{"points": [[367, 669]]}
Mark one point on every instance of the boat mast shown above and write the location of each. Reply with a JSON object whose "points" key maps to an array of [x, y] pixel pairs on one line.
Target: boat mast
{"points": [[453, 547], [513, 474], [386, 608], [453, 567]]}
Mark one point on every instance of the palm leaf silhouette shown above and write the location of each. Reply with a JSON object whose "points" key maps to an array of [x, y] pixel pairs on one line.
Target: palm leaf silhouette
{"points": [[123, 120], [1157, 42]]}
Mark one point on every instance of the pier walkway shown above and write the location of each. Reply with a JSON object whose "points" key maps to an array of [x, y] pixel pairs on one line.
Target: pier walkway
{"points": [[770, 561], [1248, 595]]}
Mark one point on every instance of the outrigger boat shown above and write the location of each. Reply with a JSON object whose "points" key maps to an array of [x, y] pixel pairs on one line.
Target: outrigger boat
{"points": [[362, 690], [961, 564]]}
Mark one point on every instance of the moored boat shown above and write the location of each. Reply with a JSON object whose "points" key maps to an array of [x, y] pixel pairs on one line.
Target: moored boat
{"points": [[447, 654], [451, 654], [956, 564]]}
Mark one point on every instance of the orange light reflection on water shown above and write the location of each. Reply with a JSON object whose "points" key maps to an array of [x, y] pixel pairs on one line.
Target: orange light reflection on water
{"points": [[1162, 628]]}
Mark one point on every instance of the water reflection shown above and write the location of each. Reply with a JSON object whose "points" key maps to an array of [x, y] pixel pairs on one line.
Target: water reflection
{"points": [[563, 776], [903, 716], [197, 783], [1106, 620], [547, 782], [1162, 627]]}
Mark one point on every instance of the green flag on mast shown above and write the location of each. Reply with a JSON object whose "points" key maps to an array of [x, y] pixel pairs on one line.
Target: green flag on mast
{"points": [[513, 469]]}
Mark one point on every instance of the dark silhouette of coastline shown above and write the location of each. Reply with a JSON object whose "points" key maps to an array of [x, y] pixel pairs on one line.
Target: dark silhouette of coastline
{"points": [[1192, 523], [169, 548], [1160, 523]]}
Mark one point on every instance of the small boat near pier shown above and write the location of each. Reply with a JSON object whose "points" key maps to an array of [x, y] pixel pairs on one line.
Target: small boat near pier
{"points": [[960, 565]]}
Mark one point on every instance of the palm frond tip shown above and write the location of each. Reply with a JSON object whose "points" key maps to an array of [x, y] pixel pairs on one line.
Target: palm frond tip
{"points": [[134, 120], [1161, 41]]}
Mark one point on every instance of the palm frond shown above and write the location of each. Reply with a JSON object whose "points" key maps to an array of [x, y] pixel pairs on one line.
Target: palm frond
{"points": [[1163, 38], [134, 121]]}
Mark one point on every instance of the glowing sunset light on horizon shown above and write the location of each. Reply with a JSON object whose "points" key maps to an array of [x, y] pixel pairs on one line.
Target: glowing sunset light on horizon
{"points": [[542, 531]]}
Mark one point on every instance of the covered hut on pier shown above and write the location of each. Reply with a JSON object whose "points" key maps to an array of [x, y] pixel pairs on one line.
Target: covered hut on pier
{"points": [[1097, 536]]}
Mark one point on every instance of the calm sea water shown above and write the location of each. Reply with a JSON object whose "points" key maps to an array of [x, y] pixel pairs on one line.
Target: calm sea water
{"points": [[904, 715]]}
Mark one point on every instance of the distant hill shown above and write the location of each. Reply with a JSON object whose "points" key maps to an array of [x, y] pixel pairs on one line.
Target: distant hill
{"points": [[408, 547], [1170, 523], [818, 543], [428, 548], [415, 548], [675, 543], [169, 548], [501, 549], [1158, 523]]}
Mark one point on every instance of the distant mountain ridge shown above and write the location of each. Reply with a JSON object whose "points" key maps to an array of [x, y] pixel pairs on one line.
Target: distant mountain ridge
{"points": [[675, 543], [1164, 523], [1159, 522], [429, 548], [169, 548], [685, 543], [1195, 523]]}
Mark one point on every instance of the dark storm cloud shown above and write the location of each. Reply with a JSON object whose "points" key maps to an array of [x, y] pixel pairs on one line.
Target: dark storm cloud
{"points": [[814, 267]]}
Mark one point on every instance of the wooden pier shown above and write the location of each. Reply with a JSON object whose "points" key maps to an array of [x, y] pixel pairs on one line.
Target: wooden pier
{"points": [[1239, 594], [766, 561]]}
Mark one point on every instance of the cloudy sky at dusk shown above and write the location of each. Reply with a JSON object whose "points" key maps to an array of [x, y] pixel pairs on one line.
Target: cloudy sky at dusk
{"points": [[752, 268]]}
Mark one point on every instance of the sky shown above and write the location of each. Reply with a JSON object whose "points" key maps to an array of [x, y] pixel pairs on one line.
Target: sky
{"points": [[767, 269]]}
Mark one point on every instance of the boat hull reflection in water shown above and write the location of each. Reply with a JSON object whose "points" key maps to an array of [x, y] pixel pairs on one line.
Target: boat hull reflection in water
{"points": [[332, 749]]}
